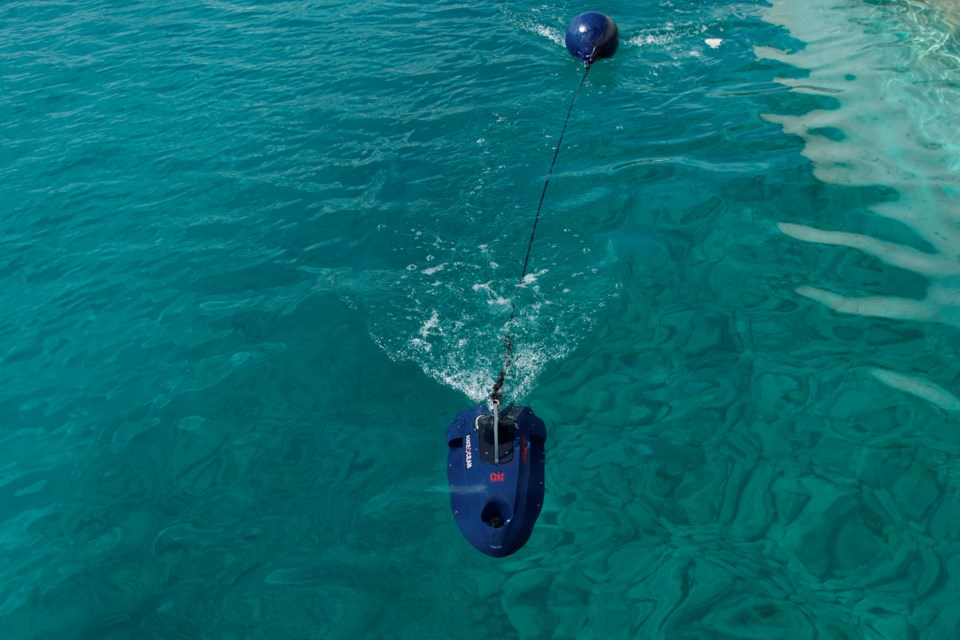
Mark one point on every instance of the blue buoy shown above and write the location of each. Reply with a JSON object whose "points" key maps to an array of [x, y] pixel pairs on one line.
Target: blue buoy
{"points": [[495, 466], [592, 36]]}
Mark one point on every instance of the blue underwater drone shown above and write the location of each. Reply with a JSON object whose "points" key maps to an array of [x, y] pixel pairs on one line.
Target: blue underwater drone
{"points": [[495, 466], [496, 460]]}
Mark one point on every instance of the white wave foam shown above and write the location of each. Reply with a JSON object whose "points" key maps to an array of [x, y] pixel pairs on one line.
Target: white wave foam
{"points": [[665, 34], [430, 325], [492, 296], [531, 278], [447, 310], [532, 25], [550, 33], [455, 332]]}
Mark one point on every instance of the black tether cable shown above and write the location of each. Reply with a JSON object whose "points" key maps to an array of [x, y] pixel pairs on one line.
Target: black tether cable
{"points": [[496, 395]]}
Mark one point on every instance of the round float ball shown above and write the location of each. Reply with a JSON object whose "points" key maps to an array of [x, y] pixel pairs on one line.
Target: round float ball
{"points": [[592, 36]]}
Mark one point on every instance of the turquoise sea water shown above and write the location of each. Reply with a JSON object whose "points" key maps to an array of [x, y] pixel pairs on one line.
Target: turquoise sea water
{"points": [[255, 256]]}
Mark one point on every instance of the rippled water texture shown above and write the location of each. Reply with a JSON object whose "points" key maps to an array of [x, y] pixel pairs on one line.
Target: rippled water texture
{"points": [[255, 256]]}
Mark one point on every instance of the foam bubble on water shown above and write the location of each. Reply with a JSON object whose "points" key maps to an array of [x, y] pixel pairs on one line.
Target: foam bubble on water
{"points": [[649, 39], [549, 32], [476, 381], [665, 34], [448, 312], [532, 25], [531, 278], [461, 345], [418, 344], [432, 270], [492, 296], [430, 324]]}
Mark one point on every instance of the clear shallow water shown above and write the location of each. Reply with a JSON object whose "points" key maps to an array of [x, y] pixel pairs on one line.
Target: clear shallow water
{"points": [[254, 259]]}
